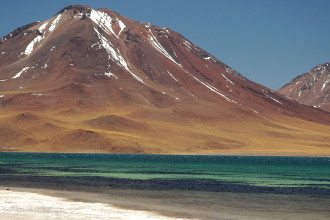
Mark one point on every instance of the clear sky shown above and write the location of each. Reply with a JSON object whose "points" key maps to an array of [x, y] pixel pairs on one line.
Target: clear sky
{"points": [[268, 41]]}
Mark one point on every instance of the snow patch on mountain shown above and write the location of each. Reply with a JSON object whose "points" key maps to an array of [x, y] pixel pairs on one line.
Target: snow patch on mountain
{"points": [[171, 75], [30, 46], [187, 44], [121, 25], [114, 54], [21, 72], [78, 15], [325, 84], [103, 20], [272, 98], [44, 66], [108, 74], [42, 27], [212, 88], [227, 79], [155, 43], [36, 94], [255, 111], [54, 23]]}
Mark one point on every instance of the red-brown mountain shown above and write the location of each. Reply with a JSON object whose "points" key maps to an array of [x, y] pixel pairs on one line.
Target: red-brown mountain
{"points": [[311, 88], [90, 80]]}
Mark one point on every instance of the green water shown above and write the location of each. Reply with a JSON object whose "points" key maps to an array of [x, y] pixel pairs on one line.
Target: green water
{"points": [[255, 171]]}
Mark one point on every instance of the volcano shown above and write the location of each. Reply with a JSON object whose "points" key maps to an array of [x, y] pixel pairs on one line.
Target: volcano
{"points": [[90, 80], [311, 88]]}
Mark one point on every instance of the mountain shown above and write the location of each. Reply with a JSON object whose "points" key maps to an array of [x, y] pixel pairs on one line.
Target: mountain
{"points": [[89, 80], [311, 88]]}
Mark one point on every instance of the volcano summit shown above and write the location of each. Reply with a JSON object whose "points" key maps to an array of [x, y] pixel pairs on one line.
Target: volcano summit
{"points": [[89, 80], [311, 88]]}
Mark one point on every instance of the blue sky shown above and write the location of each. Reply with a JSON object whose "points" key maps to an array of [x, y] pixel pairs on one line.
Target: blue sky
{"points": [[269, 42]]}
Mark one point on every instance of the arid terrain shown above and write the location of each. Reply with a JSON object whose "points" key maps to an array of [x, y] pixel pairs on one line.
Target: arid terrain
{"points": [[94, 81], [311, 88]]}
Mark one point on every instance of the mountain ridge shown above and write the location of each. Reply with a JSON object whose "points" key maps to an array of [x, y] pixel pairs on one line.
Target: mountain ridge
{"points": [[311, 88]]}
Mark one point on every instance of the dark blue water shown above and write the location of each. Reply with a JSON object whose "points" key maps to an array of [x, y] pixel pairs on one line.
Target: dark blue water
{"points": [[218, 173]]}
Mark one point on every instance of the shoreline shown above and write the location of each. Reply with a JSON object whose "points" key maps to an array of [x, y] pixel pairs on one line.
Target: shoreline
{"points": [[88, 199], [186, 204], [129, 200], [174, 154]]}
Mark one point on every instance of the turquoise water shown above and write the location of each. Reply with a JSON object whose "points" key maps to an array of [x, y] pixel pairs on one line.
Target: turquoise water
{"points": [[242, 170]]}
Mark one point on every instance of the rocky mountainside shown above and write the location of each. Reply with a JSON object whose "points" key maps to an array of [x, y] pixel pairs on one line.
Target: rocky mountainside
{"points": [[311, 88], [89, 80]]}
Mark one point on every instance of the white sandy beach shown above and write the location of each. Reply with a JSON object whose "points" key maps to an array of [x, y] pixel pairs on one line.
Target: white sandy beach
{"points": [[21, 203], [33, 206]]}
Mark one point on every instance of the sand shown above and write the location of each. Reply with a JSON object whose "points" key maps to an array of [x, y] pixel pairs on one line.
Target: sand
{"points": [[20, 205], [34, 203]]}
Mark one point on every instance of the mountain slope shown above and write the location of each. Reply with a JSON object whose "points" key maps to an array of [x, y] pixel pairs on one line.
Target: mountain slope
{"points": [[311, 88], [95, 81]]}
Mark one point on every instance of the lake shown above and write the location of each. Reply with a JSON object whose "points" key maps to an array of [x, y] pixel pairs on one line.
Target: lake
{"points": [[217, 185]]}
